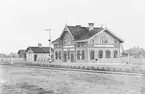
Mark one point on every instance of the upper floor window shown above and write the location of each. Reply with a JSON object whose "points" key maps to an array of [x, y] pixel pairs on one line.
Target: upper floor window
{"points": [[92, 41], [115, 54], [104, 40], [115, 41], [64, 41], [92, 54], [108, 54], [100, 54]]}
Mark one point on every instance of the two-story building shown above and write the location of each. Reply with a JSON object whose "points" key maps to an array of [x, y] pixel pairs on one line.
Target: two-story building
{"points": [[87, 44]]}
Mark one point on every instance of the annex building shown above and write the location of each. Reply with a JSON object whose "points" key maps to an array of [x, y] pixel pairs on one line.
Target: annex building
{"points": [[38, 54], [87, 44]]}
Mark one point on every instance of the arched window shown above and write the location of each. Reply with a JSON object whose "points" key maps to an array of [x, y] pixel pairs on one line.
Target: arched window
{"points": [[115, 54], [100, 54], [108, 54], [92, 54]]}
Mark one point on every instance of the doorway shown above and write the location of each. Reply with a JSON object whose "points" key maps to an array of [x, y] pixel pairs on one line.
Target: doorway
{"points": [[72, 56], [65, 56], [35, 57]]}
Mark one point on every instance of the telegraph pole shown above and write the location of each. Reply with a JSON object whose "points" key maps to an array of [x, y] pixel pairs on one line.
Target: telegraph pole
{"points": [[49, 41]]}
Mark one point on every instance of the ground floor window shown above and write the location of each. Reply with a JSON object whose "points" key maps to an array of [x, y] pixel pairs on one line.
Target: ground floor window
{"points": [[115, 54], [56, 55], [108, 54], [100, 54], [78, 55], [59, 54], [92, 54], [83, 55], [68, 54]]}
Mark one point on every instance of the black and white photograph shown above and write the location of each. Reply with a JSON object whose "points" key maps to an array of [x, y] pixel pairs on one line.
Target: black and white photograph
{"points": [[72, 47]]}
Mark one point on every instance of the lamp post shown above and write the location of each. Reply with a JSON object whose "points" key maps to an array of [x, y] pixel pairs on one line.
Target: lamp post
{"points": [[49, 41]]}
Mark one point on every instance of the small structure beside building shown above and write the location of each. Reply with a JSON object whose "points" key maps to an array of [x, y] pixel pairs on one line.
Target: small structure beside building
{"points": [[38, 54], [135, 52], [21, 54], [87, 44]]}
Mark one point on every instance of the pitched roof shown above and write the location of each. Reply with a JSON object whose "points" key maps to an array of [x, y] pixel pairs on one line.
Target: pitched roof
{"points": [[21, 51], [82, 33], [133, 50], [40, 49]]}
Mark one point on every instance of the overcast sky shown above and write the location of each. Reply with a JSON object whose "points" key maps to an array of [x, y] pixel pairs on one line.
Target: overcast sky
{"points": [[23, 22]]}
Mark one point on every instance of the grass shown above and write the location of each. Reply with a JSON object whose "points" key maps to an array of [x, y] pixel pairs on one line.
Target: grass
{"points": [[32, 81]]}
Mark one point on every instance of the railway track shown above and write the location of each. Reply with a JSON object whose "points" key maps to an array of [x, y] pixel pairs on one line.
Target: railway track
{"points": [[78, 70]]}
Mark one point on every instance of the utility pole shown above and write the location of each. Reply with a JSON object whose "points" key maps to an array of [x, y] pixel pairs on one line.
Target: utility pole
{"points": [[49, 41]]}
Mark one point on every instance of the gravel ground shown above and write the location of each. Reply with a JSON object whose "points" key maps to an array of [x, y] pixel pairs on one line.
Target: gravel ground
{"points": [[18, 80]]}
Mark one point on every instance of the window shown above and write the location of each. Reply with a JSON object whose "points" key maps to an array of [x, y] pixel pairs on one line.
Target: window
{"points": [[108, 54], [115, 54], [100, 54], [92, 54], [78, 55], [59, 54], [64, 41], [83, 55], [92, 41], [68, 53], [103, 40], [115, 41], [78, 45], [56, 55]]}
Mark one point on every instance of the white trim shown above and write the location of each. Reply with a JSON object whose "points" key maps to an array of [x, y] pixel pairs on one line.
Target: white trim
{"points": [[96, 34], [115, 35], [30, 49], [103, 31], [103, 45], [81, 41], [68, 46]]}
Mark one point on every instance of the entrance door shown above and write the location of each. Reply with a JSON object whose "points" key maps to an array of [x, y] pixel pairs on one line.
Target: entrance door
{"points": [[35, 57], [65, 56], [72, 56]]}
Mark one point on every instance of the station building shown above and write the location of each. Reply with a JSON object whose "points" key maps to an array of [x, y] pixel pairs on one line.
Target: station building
{"points": [[87, 45]]}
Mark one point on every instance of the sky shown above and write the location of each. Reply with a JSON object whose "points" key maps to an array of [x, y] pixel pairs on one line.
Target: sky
{"points": [[23, 22]]}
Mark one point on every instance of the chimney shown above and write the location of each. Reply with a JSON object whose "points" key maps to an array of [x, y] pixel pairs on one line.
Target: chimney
{"points": [[91, 26], [39, 45]]}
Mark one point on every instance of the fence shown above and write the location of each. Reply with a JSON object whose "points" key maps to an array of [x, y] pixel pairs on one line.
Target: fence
{"points": [[12, 59]]}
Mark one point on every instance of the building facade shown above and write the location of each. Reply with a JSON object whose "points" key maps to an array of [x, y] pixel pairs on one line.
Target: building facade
{"points": [[86, 44], [38, 54], [22, 54]]}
